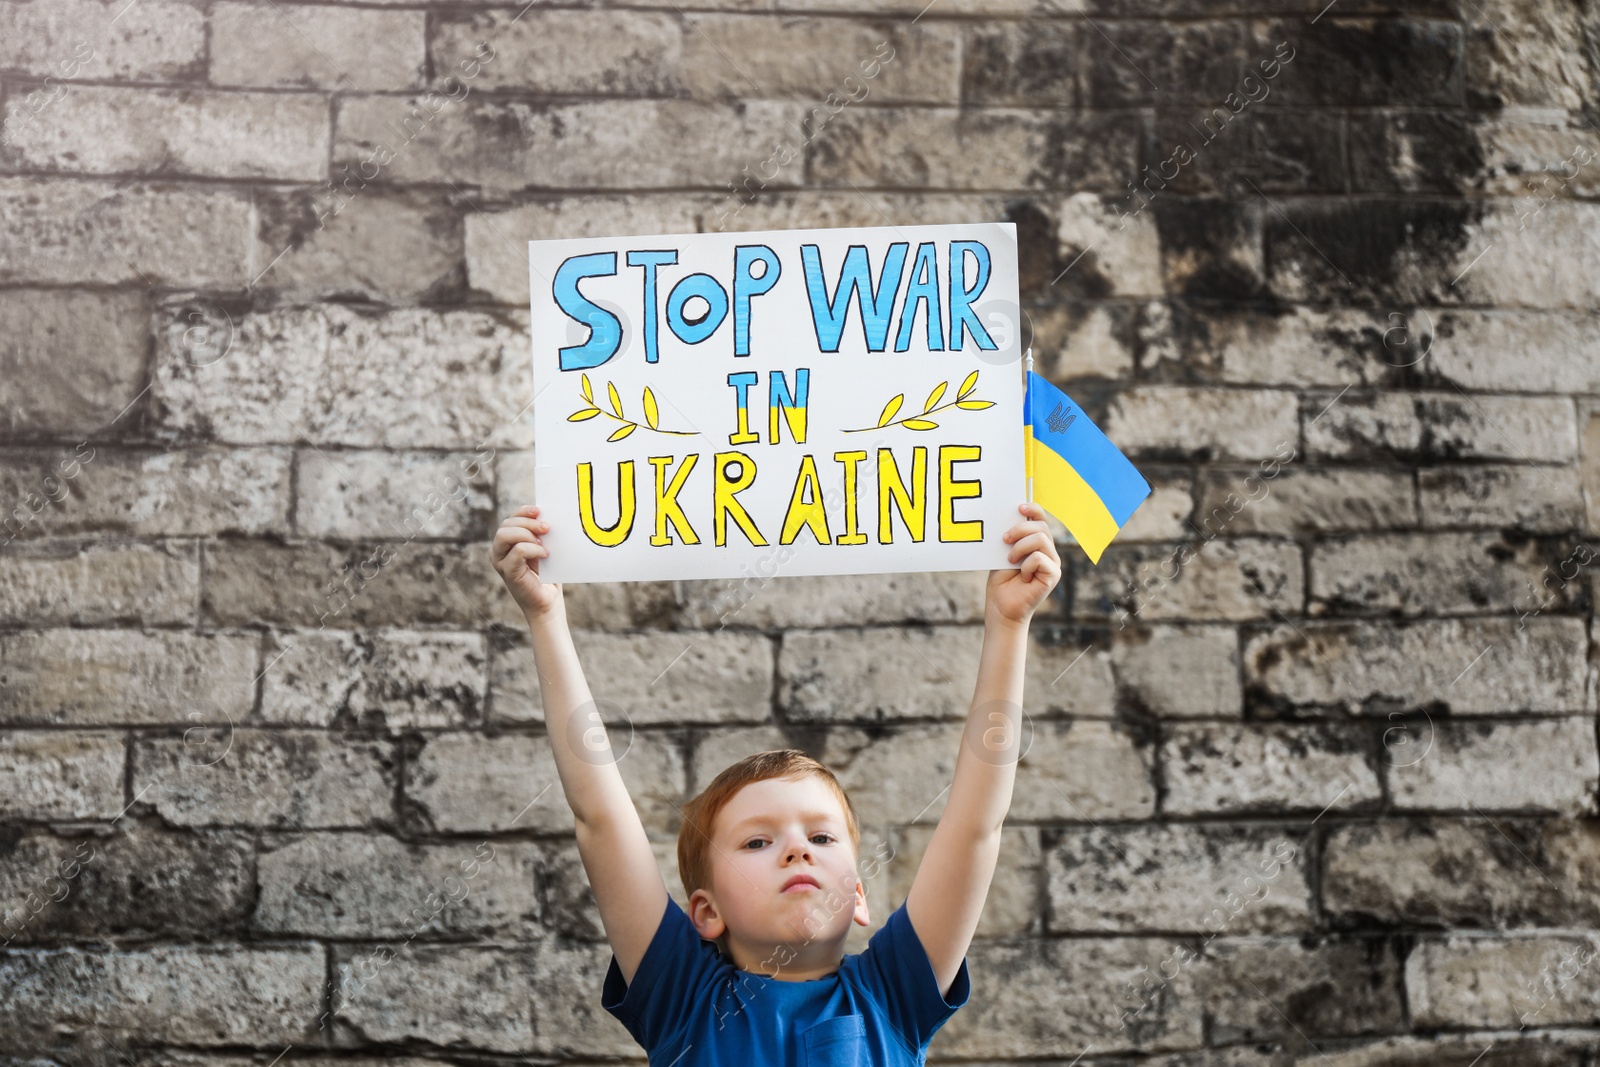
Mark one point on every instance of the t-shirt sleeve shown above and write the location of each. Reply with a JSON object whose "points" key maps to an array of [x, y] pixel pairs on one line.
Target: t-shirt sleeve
{"points": [[674, 973], [896, 970]]}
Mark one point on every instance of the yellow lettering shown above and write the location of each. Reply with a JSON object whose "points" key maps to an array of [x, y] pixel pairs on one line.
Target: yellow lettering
{"points": [[614, 535], [724, 493], [792, 404], [951, 490], [854, 536], [913, 505], [807, 513], [667, 506]]}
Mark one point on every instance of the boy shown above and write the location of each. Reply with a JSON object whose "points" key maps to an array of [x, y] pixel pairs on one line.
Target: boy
{"points": [[754, 973]]}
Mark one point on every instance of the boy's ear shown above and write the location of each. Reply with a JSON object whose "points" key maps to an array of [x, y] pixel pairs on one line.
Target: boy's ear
{"points": [[861, 918], [703, 914]]}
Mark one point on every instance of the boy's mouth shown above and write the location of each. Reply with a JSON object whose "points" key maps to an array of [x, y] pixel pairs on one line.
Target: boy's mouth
{"points": [[800, 882]]}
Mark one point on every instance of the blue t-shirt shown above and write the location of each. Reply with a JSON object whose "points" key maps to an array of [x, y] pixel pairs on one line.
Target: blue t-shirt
{"points": [[689, 1006]]}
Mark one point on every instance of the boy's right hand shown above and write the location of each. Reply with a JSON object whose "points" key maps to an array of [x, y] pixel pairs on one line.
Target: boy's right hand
{"points": [[515, 554]]}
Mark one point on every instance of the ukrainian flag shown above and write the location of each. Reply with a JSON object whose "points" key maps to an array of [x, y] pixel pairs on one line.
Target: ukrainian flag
{"points": [[1074, 471]]}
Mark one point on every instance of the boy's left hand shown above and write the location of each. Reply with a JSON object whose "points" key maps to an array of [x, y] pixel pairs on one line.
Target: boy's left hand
{"points": [[1016, 593]]}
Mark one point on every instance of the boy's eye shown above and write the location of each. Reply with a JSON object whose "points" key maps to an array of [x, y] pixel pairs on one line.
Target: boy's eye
{"points": [[825, 837]]}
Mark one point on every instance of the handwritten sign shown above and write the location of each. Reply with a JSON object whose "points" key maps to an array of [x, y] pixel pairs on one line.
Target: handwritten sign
{"points": [[825, 401]]}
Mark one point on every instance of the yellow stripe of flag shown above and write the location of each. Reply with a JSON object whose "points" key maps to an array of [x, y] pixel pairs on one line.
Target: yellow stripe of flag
{"points": [[1060, 490]]}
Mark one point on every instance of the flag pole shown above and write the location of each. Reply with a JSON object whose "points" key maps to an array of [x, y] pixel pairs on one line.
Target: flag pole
{"points": [[1027, 416]]}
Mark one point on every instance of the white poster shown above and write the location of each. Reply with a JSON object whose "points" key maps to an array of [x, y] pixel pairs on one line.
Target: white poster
{"points": [[827, 401]]}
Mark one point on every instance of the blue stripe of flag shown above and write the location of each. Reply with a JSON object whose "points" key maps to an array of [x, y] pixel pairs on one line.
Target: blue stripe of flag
{"points": [[1088, 451]]}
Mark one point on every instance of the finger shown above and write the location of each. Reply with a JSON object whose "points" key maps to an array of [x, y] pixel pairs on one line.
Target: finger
{"points": [[529, 510], [1022, 529], [1034, 542], [536, 525], [505, 539], [528, 552], [507, 536], [1030, 567], [1036, 563]]}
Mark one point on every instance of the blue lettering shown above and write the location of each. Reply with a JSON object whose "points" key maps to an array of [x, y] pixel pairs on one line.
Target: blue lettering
{"points": [[605, 331], [961, 316], [746, 285], [650, 261], [706, 288], [828, 314], [924, 289]]}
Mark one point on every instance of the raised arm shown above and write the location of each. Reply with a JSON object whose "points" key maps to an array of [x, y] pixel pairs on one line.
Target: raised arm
{"points": [[947, 895], [627, 883]]}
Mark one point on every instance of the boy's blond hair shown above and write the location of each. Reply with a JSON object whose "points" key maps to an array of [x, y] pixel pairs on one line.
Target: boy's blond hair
{"points": [[700, 814]]}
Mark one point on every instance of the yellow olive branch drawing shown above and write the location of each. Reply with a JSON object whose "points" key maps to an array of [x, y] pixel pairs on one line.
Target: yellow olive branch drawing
{"points": [[651, 412], [918, 422]]}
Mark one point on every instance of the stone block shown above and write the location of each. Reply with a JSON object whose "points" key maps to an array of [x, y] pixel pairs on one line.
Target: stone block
{"points": [[71, 363], [96, 129], [651, 679], [1502, 982], [281, 779], [64, 677], [334, 48], [1431, 574], [1297, 501], [1521, 496], [1180, 422], [1037, 63], [878, 673], [178, 994], [61, 775], [55, 231], [1178, 671], [345, 239], [1444, 872], [398, 680], [1463, 666], [947, 148], [354, 495], [1515, 351], [1012, 907], [1058, 995], [1211, 580], [544, 51], [1120, 250], [1133, 63], [253, 583], [505, 145], [565, 985], [1548, 765], [405, 378], [1184, 879], [367, 887], [143, 881], [471, 783], [826, 61], [779, 601], [1083, 771], [191, 492], [1068, 671], [1268, 768], [91, 39], [1303, 989], [463, 996], [54, 583], [1422, 427]]}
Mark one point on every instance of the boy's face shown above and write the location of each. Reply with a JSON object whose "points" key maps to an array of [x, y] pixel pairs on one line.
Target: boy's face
{"points": [[770, 834]]}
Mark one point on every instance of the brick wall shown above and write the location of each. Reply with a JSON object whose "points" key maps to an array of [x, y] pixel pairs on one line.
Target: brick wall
{"points": [[1313, 769]]}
